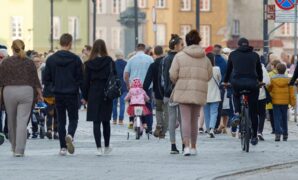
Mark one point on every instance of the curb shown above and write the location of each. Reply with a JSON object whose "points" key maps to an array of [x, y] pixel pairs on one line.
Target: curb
{"points": [[284, 165]]}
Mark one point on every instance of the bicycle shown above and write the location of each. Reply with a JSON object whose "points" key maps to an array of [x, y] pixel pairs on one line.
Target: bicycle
{"points": [[245, 125], [137, 125]]}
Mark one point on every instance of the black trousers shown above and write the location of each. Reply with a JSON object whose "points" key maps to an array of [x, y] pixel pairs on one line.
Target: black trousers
{"points": [[70, 105], [106, 133], [271, 117], [52, 121], [253, 107], [261, 115]]}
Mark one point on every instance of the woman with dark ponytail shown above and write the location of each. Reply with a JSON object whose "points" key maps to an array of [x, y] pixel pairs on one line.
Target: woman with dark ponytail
{"points": [[19, 79], [176, 45]]}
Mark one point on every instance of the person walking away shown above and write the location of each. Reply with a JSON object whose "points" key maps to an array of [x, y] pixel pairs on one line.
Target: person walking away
{"points": [[263, 99], [269, 107], [245, 72], [120, 64], [174, 116], [154, 75], [51, 113], [3, 55], [64, 70], [137, 67], [213, 98], [19, 78], [223, 108], [282, 95], [190, 72], [99, 109]]}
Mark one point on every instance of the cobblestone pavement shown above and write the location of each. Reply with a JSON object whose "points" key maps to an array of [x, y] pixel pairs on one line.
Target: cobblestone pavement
{"points": [[146, 159]]}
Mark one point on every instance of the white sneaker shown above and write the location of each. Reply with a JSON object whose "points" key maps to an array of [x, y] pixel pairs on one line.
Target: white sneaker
{"points": [[99, 152], [107, 150], [193, 152], [69, 144], [186, 151], [63, 152]]}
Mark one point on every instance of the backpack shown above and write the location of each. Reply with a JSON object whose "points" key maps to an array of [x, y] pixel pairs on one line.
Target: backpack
{"points": [[113, 86]]}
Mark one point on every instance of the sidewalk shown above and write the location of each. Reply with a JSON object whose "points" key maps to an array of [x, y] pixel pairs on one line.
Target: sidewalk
{"points": [[143, 159]]}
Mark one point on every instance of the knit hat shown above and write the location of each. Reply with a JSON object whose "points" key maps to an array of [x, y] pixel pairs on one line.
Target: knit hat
{"points": [[209, 49], [136, 83]]}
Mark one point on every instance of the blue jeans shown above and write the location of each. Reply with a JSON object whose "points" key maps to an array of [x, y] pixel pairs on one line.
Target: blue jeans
{"points": [[280, 113], [211, 112], [122, 107], [1, 124]]}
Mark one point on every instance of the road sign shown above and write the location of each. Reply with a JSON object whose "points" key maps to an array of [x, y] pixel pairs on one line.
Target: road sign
{"points": [[270, 12], [284, 12], [285, 4]]}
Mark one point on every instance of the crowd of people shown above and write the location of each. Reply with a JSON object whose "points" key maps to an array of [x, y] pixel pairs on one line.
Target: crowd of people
{"points": [[188, 86]]}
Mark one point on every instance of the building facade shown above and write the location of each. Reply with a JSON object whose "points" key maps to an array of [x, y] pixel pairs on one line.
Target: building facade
{"points": [[29, 20], [179, 17]]}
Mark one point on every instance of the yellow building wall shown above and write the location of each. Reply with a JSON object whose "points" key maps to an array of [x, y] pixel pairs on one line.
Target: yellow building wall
{"points": [[23, 8], [173, 17]]}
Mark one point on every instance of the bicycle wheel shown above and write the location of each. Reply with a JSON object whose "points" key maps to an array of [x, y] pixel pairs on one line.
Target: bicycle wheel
{"points": [[247, 129], [138, 132]]}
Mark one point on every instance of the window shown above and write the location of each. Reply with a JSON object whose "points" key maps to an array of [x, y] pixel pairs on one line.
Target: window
{"points": [[205, 5], [17, 27], [236, 28], [101, 33], [118, 6], [184, 29], [74, 27], [116, 38], [161, 4], [161, 34], [185, 5], [286, 29], [56, 27], [101, 6], [142, 3], [205, 35]]}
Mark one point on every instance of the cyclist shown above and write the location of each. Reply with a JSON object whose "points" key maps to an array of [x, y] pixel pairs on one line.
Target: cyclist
{"points": [[244, 73]]}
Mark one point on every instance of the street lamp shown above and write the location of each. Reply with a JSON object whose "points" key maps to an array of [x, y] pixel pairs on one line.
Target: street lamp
{"points": [[52, 25], [198, 9], [136, 22], [94, 20]]}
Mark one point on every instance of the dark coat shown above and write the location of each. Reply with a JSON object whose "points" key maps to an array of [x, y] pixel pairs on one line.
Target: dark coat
{"points": [[96, 75], [154, 75], [120, 66], [166, 64]]}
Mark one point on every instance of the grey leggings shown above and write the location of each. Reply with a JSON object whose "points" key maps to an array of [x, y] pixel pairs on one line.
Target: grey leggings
{"points": [[174, 116], [18, 102]]}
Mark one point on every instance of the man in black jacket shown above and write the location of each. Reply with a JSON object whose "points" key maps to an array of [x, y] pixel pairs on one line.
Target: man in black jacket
{"points": [[245, 73], [65, 71], [154, 75]]}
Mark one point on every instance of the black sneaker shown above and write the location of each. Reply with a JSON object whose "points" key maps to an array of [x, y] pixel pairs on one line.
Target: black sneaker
{"points": [[277, 137], [49, 135], [174, 149], [261, 138], [2, 138], [254, 141], [201, 131], [34, 135], [285, 138]]}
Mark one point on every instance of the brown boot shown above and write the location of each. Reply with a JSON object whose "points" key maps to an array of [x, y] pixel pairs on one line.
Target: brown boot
{"points": [[157, 131]]}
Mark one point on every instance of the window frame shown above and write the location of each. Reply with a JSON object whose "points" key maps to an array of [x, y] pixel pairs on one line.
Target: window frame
{"points": [[205, 36], [203, 4], [185, 8], [159, 4]]}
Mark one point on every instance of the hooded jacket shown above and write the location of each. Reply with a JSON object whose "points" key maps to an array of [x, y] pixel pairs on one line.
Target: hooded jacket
{"points": [[64, 71], [96, 75], [281, 92], [244, 63], [191, 71]]}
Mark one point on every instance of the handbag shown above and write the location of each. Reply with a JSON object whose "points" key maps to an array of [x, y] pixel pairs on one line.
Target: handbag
{"points": [[113, 86]]}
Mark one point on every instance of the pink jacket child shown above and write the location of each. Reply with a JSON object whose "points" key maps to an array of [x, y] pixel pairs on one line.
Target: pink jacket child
{"points": [[137, 97]]}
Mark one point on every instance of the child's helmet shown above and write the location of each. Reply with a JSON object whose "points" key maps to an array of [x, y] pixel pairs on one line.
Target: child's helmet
{"points": [[136, 83]]}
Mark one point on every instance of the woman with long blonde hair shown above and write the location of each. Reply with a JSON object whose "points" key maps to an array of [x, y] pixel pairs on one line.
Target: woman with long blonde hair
{"points": [[18, 76]]}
